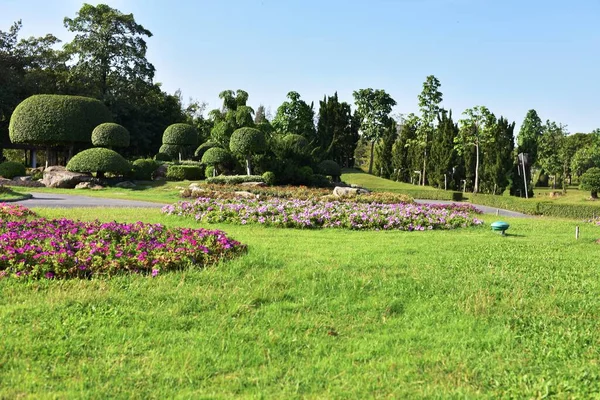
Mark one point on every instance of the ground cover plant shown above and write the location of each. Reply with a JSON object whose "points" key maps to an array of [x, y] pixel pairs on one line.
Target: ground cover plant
{"points": [[323, 214], [63, 248]]}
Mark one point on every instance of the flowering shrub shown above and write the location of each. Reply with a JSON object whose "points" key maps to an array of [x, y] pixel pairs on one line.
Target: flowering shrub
{"points": [[39, 248], [316, 214], [14, 212]]}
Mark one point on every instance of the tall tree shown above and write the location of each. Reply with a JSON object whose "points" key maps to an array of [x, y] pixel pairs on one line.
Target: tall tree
{"points": [[429, 105], [234, 114], [384, 165], [444, 158], [403, 159], [552, 150], [260, 117], [476, 130], [374, 108], [296, 117], [109, 50], [498, 157], [337, 134], [529, 135]]}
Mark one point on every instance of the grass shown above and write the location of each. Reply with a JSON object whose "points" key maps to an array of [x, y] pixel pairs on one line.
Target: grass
{"points": [[320, 314], [9, 195], [376, 183]]}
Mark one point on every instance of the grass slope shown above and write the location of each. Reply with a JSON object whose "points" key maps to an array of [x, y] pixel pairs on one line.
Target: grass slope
{"points": [[320, 314]]}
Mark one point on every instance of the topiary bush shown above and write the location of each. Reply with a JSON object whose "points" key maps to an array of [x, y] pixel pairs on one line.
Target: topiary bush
{"points": [[51, 120], [216, 157], [99, 160], [209, 172], [181, 135], [234, 179], [10, 169], [173, 151], [590, 180], [143, 169], [203, 147], [269, 178], [162, 157], [330, 168], [110, 134], [247, 141], [184, 172]]}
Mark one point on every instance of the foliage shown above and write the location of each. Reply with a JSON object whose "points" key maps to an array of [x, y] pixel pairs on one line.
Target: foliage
{"points": [[269, 178], [99, 160], [529, 136], [373, 109], [295, 117], [233, 115], [144, 168], [445, 169], [63, 249], [172, 151], [10, 169], [209, 172], [203, 147], [184, 173], [162, 157], [383, 163], [315, 214], [497, 168], [585, 158], [55, 119], [337, 131], [590, 180], [331, 168], [110, 135], [215, 156], [247, 141], [181, 135], [234, 179]]}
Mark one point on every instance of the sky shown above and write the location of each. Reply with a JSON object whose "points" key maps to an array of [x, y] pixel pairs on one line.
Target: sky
{"points": [[508, 55]]}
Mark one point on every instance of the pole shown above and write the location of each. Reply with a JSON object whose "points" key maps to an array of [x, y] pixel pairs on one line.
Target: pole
{"points": [[525, 177], [576, 232], [445, 182]]}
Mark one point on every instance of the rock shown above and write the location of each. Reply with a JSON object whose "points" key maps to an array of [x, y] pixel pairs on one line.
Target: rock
{"points": [[246, 195], [11, 182], [194, 185], [22, 178], [58, 177], [89, 185], [348, 192], [160, 174], [179, 188], [126, 185], [253, 184]]}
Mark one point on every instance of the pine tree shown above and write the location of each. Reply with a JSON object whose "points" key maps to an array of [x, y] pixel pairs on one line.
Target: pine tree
{"points": [[383, 151], [444, 159], [529, 135]]}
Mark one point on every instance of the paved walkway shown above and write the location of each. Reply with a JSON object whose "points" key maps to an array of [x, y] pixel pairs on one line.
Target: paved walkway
{"points": [[73, 201]]}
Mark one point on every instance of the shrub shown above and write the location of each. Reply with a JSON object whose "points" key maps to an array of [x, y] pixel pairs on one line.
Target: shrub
{"points": [[590, 180], [180, 135], [247, 141], [10, 169], [56, 119], [319, 180], [172, 151], [110, 135], [210, 171], [269, 178], [143, 169], [184, 172], [203, 147], [234, 179], [216, 156], [305, 175], [330, 168], [162, 157], [99, 159]]}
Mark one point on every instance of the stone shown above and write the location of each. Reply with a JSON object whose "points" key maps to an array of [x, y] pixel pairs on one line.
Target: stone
{"points": [[22, 178], [254, 184], [160, 174], [194, 185], [29, 183], [57, 176], [348, 191], [125, 185], [246, 195]]}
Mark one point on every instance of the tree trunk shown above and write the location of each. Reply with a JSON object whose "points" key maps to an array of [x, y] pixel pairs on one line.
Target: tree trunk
{"points": [[424, 165], [594, 194], [476, 187], [371, 160], [248, 166]]}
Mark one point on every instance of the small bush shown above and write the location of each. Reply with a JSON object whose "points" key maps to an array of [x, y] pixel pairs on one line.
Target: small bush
{"points": [[203, 147], [269, 178], [10, 169], [319, 180], [234, 179], [110, 135], [590, 180], [162, 157], [143, 169], [209, 172], [330, 168], [99, 160], [184, 173]]}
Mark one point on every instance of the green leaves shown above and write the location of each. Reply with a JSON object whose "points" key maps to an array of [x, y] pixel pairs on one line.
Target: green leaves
{"points": [[295, 117]]}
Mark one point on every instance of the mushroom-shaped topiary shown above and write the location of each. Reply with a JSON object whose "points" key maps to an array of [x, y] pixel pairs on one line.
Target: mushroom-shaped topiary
{"points": [[215, 157], [99, 160], [182, 135], [590, 180], [172, 150], [331, 168], [203, 147], [110, 135], [246, 141]]}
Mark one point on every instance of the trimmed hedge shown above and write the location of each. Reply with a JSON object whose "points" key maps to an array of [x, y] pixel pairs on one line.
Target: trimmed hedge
{"points": [[184, 173], [269, 178], [50, 120], [181, 135], [234, 179], [110, 134], [431, 194], [99, 159], [10, 169], [144, 168]]}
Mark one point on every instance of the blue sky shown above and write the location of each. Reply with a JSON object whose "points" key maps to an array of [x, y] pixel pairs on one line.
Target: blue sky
{"points": [[508, 55]]}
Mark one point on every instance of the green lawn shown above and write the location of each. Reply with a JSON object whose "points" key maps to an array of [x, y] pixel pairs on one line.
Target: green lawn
{"points": [[321, 314], [373, 182]]}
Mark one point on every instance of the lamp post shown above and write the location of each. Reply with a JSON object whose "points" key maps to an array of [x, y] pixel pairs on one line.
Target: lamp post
{"points": [[523, 160]]}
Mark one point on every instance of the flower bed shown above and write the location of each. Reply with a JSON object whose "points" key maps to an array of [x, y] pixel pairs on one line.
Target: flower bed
{"points": [[14, 212], [39, 248], [316, 214]]}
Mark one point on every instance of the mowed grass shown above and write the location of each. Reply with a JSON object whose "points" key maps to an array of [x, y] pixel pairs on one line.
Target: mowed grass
{"points": [[376, 183], [320, 314]]}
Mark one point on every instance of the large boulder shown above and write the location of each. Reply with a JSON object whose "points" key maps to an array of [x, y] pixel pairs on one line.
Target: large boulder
{"points": [[58, 177], [161, 173], [340, 191]]}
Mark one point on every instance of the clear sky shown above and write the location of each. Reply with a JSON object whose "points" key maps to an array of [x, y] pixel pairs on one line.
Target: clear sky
{"points": [[508, 55]]}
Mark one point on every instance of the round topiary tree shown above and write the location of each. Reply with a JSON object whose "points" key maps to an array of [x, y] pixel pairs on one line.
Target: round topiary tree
{"points": [[203, 147], [172, 151], [182, 135], [247, 141], [590, 180], [52, 120], [215, 157], [330, 168], [99, 160], [10, 169], [110, 135]]}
